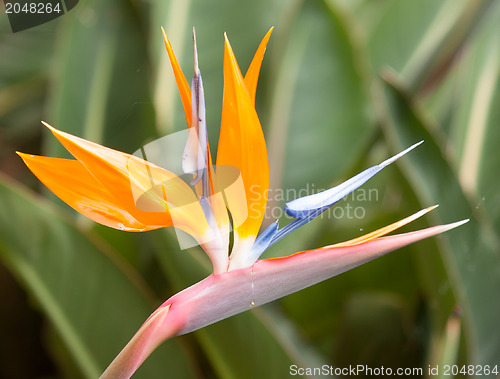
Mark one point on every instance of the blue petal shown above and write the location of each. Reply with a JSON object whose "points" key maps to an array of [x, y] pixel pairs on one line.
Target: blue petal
{"points": [[295, 224], [262, 241], [302, 207], [309, 207]]}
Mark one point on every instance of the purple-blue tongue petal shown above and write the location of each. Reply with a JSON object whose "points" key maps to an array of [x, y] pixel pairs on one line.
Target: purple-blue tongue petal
{"points": [[307, 205], [262, 241], [307, 208]]}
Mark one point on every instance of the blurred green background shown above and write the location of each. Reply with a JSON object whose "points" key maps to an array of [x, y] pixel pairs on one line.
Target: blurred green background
{"points": [[344, 84]]}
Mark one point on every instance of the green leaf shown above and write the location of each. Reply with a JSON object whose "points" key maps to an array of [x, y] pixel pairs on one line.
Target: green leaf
{"points": [[28, 53], [319, 118], [471, 254], [100, 82], [447, 349], [400, 29], [474, 125], [419, 39], [94, 301], [377, 329], [24, 67]]}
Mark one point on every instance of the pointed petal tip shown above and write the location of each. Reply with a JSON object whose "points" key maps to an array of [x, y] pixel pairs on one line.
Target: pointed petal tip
{"points": [[25, 157], [418, 214], [422, 212], [454, 225], [428, 209], [195, 54], [180, 79], [51, 128], [388, 161], [306, 206], [168, 45], [385, 230], [227, 44], [165, 38], [252, 75], [268, 34], [230, 59]]}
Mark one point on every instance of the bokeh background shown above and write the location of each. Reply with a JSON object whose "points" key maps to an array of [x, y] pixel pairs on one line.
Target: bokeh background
{"points": [[344, 84]]}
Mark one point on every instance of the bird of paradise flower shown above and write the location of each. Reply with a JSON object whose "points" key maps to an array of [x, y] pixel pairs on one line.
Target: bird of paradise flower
{"points": [[103, 184]]}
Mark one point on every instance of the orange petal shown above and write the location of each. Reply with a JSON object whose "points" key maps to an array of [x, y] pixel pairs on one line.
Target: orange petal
{"points": [[158, 190], [180, 79], [252, 75], [242, 145], [74, 185], [383, 231], [149, 193]]}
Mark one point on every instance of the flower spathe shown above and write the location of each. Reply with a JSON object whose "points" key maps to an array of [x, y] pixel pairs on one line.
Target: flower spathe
{"points": [[102, 184]]}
